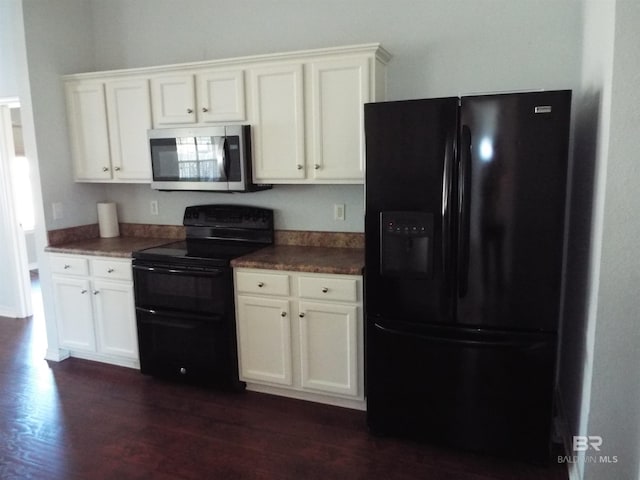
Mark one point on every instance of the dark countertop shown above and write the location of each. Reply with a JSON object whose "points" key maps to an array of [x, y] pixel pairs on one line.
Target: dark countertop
{"points": [[347, 261], [335, 260], [108, 247]]}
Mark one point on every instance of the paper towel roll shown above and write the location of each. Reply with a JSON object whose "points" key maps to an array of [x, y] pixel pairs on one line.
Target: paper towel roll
{"points": [[108, 220]]}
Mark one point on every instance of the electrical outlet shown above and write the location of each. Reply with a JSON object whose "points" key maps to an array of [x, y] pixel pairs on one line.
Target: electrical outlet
{"points": [[153, 207], [338, 211]]}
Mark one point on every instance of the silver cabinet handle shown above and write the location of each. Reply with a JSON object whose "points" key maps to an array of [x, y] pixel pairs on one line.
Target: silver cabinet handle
{"points": [[205, 109], [110, 270], [299, 167], [189, 110], [96, 292], [117, 169], [325, 289], [83, 291], [283, 314], [316, 166], [301, 315], [67, 266], [105, 169], [260, 284]]}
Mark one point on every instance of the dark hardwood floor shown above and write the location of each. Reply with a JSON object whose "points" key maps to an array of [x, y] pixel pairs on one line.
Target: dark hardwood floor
{"points": [[84, 420]]}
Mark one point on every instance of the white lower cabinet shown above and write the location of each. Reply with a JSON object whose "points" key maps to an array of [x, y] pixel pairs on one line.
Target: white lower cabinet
{"points": [[329, 347], [95, 309], [264, 326], [301, 335]]}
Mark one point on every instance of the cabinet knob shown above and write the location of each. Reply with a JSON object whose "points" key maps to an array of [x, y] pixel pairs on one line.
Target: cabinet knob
{"points": [[316, 166], [66, 266], [96, 292], [205, 109], [117, 169], [110, 270], [260, 284], [189, 110], [183, 371], [283, 314], [83, 291], [299, 167], [325, 289], [105, 169], [301, 315]]}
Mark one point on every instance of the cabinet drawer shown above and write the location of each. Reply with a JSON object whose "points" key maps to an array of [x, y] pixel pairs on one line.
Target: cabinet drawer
{"points": [[264, 283], [113, 269], [69, 265], [327, 288]]}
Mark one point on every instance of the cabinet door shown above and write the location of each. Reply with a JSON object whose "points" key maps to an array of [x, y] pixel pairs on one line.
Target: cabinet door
{"points": [[115, 318], [74, 314], [339, 90], [89, 134], [129, 114], [220, 96], [264, 340], [329, 347], [173, 100], [278, 119]]}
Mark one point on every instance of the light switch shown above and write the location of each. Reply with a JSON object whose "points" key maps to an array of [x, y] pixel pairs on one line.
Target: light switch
{"points": [[57, 210]]}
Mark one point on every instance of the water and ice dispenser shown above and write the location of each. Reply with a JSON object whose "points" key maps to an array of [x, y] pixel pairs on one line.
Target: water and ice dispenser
{"points": [[406, 244]]}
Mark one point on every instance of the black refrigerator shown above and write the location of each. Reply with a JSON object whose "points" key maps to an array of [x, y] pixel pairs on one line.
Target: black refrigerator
{"points": [[464, 227]]}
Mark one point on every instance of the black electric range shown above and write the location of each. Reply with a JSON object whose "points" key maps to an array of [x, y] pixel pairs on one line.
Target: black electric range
{"points": [[184, 294]]}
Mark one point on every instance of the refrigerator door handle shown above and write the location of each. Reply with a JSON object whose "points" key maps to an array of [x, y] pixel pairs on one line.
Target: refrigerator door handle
{"points": [[445, 339], [447, 176], [464, 201]]}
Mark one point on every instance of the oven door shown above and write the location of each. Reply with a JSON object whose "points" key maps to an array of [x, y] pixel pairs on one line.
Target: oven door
{"points": [[187, 347], [185, 318], [200, 291]]}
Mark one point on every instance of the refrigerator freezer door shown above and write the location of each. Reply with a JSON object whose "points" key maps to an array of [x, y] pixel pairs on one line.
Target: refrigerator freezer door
{"points": [[511, 198], [409, 180], [482, 391]]}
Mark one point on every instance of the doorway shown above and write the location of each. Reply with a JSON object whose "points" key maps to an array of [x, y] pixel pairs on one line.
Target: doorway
{"points": [[17, 220]]}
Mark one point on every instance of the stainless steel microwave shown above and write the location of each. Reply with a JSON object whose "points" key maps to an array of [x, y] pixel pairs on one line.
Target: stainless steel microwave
{"points": [[202, 159]]}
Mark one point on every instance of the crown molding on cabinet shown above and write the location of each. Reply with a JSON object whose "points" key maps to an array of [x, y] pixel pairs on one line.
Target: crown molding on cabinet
{"points": [[381, 55]]}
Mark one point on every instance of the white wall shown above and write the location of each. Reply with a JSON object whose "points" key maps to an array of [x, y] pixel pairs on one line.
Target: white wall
{"points": [[59, 40], [615, 393], [296, 207], [600, 381], [10, 13], [591, 113], [12, 278], [439, 48]]}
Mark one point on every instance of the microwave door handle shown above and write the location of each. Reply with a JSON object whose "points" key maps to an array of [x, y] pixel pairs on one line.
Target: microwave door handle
{"points": [[225, 158], [220, 158]]}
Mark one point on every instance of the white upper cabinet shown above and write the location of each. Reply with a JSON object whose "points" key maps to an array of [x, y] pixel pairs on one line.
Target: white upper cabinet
{"points": [[129, 118], [174, 100], [108, 122], [189, 98], [88, 130], [221, 96], [305, 108], [339, 90], [277, 115], [326, 143]]}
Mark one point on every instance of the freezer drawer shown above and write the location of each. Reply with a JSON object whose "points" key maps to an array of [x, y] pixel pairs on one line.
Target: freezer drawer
{"points": [[480, 391]]}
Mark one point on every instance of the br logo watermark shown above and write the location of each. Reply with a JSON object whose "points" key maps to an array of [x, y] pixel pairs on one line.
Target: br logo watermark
{"points": [[590, 444]]}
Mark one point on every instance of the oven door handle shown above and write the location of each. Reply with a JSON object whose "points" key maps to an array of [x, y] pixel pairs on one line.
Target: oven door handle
{"points": [[187, 320], [215, 272]]}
